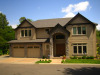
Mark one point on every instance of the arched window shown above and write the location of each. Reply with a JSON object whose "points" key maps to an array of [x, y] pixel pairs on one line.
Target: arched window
{"points": [[60, 36]]}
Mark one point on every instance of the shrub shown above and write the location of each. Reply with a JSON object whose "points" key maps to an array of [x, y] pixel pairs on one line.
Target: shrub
{"points": [[1, 53], [74, 57], [43, 57], [91, 57], [63, 61], [44, 61], [84, 57], [49, 60], [79, 57]]}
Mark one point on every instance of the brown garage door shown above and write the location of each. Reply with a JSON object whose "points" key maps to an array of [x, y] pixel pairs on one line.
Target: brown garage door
{"points": [[33, 51], [18, 52]]}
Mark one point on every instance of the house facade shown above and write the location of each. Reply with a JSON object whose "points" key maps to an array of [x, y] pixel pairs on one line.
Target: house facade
{"points": [[51, 38]]}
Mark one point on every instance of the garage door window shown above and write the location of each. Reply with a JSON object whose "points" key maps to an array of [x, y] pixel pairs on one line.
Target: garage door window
{"points": [[21, 47], [30, 47], [15, 47], [36, 46]]}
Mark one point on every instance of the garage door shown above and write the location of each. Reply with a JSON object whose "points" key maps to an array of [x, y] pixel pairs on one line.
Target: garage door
{"points": [[18, 51], [33, 51]]}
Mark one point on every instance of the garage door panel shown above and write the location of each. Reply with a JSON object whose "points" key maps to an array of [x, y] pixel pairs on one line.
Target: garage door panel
{"points": [[33, 52], [18, 52]]}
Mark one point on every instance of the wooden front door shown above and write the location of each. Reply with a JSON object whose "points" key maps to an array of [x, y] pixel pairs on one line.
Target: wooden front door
{"points": [[60, 49]]}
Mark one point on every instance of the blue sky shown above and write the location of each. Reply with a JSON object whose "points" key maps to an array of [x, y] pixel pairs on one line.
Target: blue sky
{"points": [[47, 9]]}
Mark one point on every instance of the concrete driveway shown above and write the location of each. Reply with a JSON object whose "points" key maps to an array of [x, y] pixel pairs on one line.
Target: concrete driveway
{"points": [[11, 60], [52, 69], [5, 59]]}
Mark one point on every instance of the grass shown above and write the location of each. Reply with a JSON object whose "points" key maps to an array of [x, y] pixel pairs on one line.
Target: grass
{"points": [[44, 61], [89, 61]]}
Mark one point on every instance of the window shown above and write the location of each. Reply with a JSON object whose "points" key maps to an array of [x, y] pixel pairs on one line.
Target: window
{"points": [[75, 49], [83, 30], [21, 47], [84, 49], [79, 30], [60, 37], [74, 30], [80, 48], [15, 47], [22, 33], [30, 46], [29, 32], [25, 33], [36, 46]]}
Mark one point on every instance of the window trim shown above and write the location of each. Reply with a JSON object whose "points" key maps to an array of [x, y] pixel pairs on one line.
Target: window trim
{"points": [[81, 44], [24, 32], [77, 30]]}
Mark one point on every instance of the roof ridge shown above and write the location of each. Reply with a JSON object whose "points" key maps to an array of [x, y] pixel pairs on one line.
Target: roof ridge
{"points": [[53, 19]]}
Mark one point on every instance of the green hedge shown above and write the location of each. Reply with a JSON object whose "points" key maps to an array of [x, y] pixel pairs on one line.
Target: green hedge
{"points": [[83, 57]]}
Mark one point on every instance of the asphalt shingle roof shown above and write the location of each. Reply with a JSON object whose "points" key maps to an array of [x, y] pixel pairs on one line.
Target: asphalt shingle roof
{"points": [[50, 22], [28, 41]]}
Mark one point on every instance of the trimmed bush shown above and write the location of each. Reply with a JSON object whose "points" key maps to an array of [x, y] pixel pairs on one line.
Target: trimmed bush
{"points": [[44, 61], [84, 57]]}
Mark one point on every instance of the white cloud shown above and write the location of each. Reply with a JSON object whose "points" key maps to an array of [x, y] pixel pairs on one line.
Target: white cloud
{"points": [[14, 26], [82, 6], [72, 8], [67, 9], [98, 26], [70, 14]]}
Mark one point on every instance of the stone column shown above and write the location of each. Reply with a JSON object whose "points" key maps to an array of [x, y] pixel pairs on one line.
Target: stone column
{"points": [[67, 49], [51, 47], [41, 50]]}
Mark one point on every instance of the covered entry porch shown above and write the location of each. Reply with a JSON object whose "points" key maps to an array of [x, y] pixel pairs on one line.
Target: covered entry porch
{"points": [[59, 41]]}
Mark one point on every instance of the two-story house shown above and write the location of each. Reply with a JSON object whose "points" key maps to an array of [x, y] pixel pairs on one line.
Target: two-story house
{"points": [[74, 36]]}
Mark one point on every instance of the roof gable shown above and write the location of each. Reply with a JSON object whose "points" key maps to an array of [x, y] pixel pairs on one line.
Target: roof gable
{"points": [[79, 19], [59, 29], [25, 24]]}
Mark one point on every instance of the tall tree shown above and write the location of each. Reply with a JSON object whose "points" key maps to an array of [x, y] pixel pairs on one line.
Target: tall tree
{"points": [[23, 18], [3, 21], [6, 33]]}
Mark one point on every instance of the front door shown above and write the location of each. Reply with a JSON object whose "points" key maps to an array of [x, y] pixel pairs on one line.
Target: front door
{"points": [[60, 49]]}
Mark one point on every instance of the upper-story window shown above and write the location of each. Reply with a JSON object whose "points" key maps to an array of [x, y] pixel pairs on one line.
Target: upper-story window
{"points": [[79, 30], [25, 33]]}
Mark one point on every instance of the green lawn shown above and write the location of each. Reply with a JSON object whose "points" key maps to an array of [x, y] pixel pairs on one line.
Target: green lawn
{"points": [[89, 61]]}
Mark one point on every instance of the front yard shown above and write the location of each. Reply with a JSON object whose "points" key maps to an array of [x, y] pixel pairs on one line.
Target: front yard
{"points": [[88, 61]]}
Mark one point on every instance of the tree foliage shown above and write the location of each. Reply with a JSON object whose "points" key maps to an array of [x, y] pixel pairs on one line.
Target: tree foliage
{"points": [[6, 33], [23, 18]]}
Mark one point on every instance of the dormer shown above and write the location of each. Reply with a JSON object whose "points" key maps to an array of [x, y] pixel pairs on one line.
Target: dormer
{"points": [[25, 31]]}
